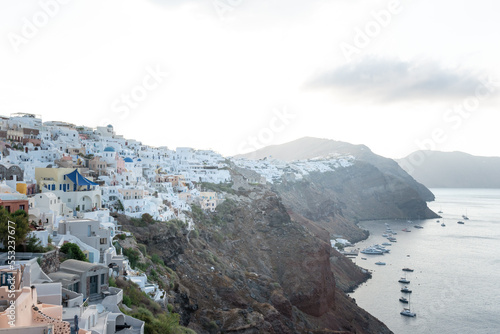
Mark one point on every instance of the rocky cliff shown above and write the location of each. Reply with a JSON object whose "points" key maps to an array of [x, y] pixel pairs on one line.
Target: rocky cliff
{"points": [[310, 148], [257, 267], [337, 200]]}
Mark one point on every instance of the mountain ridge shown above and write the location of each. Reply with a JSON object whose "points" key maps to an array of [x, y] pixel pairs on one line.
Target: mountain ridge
{"points": [[310, 148], [455, 169]]}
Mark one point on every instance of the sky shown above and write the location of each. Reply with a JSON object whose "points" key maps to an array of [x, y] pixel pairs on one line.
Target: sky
{"points": [[238, 75]]}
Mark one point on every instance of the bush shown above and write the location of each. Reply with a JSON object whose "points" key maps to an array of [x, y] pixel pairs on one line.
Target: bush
{"points": [[127, 301], [112, 282], [147, 218], [157, 259], [132, 255], [34, 245], [72, 251]]}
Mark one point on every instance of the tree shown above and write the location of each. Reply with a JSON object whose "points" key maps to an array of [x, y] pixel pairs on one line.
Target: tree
{"points": [[147, 218], [72, 251], [17, 229]]}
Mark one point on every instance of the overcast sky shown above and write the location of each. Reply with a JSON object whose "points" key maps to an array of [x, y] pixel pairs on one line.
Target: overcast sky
{"points": [[235, 75]]}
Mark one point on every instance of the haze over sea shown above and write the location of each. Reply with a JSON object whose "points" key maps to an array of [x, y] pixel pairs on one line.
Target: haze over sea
{"points": [[457, 267]]}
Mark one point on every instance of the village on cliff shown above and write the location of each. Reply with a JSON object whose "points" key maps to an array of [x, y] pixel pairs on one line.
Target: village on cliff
{"points": [[72, 181]]}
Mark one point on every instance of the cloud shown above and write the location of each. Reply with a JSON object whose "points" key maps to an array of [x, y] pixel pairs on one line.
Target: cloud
{"points": [[250, 13], [393, 80]]}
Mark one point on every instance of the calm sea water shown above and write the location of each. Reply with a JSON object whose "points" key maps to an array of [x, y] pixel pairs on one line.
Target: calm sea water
{"points": [[456, 282]]}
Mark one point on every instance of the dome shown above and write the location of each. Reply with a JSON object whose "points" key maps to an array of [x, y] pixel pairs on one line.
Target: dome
{"points": [[127, 159], [139, 159], [109, 149]]}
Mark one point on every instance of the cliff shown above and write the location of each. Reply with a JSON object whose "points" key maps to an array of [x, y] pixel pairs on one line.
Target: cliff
{"points": [[337, 200], [310, 148], [452, 169], [256, 267]]}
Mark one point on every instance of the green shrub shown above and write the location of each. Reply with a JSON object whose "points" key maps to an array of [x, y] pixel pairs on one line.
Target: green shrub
{"points": [[127, 301], [132, 255], [72, 251], [157, 259]]}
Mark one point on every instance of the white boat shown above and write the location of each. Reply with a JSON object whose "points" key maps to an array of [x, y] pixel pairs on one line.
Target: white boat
{"points": [[381, 248], [404, 280], [380, 263], [372, 251], [406, 312], [386, 244]]}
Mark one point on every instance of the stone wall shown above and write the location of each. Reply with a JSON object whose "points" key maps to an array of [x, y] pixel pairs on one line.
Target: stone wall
{"points": [[49, 262]]}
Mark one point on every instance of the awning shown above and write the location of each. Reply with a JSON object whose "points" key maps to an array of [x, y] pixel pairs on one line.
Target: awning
{"points": [[79, 180]]}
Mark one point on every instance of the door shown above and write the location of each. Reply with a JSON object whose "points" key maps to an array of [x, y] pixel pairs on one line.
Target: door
{"points": [[93, 284]]}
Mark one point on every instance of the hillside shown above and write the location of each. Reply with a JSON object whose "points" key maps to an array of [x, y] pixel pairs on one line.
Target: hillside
{"points": [[252, 267], [310, 148], [453, 169]]}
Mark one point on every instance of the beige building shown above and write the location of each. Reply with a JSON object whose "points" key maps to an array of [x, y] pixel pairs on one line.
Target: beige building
{"points": [[74, 190], [22, 313]]}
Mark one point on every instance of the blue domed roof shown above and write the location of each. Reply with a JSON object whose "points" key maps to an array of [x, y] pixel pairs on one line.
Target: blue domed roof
{"points": [[109, 149], [127, 159], [139, 159]]}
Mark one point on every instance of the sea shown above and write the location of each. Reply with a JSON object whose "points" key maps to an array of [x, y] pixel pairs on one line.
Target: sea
{"points": [[456, 280]]}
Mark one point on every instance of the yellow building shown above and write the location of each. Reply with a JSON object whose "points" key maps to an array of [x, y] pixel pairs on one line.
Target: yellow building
{"points": [[76, 191]]}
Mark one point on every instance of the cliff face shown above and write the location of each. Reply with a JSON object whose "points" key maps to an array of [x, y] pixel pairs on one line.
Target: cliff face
{"points": [[337, 200], [255, 267], [310, 148]]}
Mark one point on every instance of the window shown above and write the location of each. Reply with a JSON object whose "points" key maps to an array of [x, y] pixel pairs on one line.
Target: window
{"points": [[89, 230], [103, 241], [7, 207], [21, 207], [103, 276]]}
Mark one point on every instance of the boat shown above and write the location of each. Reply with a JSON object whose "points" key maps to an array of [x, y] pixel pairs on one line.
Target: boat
{"points": [[406, 230], [381, 248], [417, 226], [403, 300], [438, 221], [442, 224], [380, 263], [408, 313], [385, 235], [372, 251], [386, 244], [363, 258], [440, 211], [392, 239], [405, 289], [465, 216], [460, 222], [408, 269], [404, 280]]}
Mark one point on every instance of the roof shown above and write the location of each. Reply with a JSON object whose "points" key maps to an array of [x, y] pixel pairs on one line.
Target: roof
{"points": [[12, 197], [79, 266], [109, 149], [127, 159], [64, 277], [79, 180]]}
